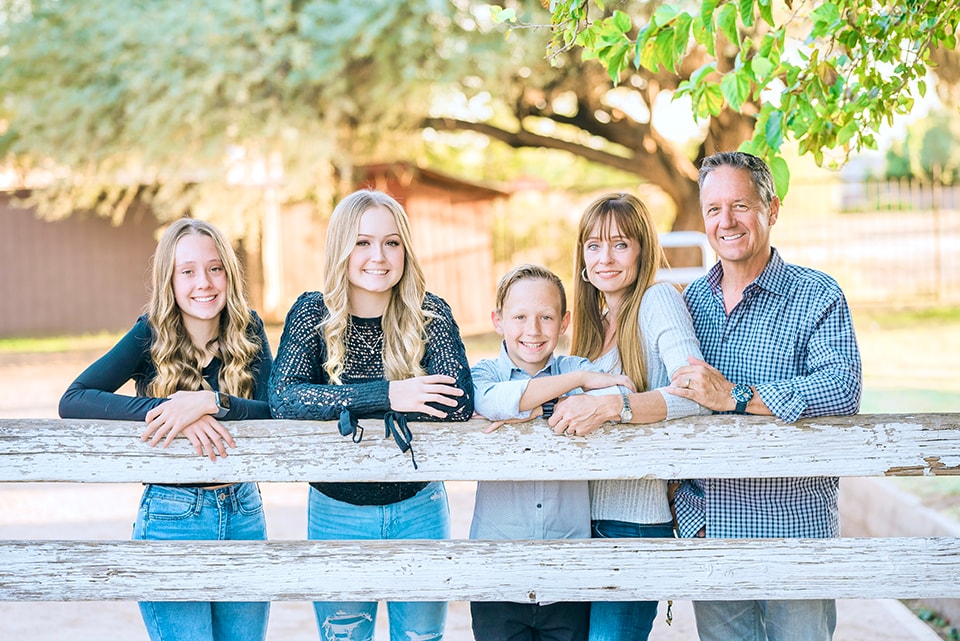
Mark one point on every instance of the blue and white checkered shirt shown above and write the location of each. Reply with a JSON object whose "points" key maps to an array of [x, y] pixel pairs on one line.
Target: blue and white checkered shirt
{"points": [[792, 338]]}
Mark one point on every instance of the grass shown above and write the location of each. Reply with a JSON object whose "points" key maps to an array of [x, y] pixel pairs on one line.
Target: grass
{"points": [[53, 344]]}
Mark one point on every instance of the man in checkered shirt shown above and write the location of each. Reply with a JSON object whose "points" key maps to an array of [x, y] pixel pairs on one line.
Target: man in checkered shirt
{"points": [[778, 340]]}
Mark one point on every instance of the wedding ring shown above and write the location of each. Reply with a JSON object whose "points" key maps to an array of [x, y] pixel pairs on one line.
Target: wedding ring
{"points": [[686, 383]]}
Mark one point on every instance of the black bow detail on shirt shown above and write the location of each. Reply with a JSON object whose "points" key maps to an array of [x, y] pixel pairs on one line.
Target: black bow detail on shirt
{"points": [[395, 424], [350, 427]]}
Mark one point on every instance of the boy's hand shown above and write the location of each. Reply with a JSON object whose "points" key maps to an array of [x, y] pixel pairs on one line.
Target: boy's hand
{"points": [[495, 425], [599, 380]]}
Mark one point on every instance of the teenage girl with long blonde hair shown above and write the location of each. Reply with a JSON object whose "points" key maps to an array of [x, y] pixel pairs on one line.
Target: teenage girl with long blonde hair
{"points": [[199, 356], [373, 344]]}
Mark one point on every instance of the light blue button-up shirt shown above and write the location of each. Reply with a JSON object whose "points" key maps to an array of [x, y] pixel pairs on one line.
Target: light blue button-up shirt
{"points": [[526, 509]]}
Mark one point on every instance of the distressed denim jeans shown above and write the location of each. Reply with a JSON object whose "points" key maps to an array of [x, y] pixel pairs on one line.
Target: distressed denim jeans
{"points": [[800, 620], [423, 516], [170, 513], [624, 620]]}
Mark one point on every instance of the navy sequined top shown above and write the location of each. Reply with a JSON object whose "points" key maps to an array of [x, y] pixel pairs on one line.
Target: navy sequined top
{"points": [[301, 389]]}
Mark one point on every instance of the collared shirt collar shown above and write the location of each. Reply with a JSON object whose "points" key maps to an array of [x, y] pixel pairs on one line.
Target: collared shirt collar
{"points": [[773, 278]]}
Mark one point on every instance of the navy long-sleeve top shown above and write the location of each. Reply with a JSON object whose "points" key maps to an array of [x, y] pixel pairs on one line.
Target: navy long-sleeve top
{"points": [[301, 389], [93, 393]]}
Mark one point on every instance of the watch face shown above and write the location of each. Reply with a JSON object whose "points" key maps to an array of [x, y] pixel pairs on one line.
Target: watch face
{"points": [[626, 414], [741, 393]]}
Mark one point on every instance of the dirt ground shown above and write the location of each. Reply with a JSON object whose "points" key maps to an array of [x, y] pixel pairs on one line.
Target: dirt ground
{"points": [[30, 386]]}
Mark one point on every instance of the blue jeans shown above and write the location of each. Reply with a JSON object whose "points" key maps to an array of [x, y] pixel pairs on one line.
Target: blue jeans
{"points": [[169, 513], [424, 516], [625, 620], [811, 620]]}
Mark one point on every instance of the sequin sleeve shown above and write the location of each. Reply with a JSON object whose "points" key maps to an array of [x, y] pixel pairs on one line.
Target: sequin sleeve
{"points": [[446, 354], [300, 387]]}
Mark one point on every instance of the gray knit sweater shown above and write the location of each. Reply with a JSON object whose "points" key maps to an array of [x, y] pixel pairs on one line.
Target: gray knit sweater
{"points": [[668, 338]]}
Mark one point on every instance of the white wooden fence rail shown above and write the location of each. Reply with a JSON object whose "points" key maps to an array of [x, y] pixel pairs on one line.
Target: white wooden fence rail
{"points": [[38, 450]]}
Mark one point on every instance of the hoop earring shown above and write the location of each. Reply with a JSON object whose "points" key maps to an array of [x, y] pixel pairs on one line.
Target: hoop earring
{"points": [[583, 275]]}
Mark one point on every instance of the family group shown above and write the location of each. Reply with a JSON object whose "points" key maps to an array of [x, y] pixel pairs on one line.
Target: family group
{"points": [[755, 335]]}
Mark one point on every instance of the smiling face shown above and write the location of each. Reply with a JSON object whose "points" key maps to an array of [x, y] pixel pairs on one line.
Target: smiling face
{"points": [[531, 321], [376, 262], [736, 220], [612, 260], [199, 280]]}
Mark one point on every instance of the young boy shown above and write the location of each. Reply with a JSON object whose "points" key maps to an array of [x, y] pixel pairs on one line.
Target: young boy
{"points": [[524, 382]]}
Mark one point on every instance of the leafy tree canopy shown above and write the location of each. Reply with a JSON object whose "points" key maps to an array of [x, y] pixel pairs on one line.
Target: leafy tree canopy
{"points": [[209, 103], [825, 73], [217, 106]]}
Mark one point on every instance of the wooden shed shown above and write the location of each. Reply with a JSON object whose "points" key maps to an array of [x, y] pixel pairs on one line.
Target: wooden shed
{"points": [[83, 274], [74, 276], [452, 225]]}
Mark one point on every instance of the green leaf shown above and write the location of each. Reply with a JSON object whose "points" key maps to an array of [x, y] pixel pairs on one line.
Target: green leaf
{"points": [[501, 15], [736, 89], [727, 21], [823, 17], [762, 68], [615, 61], [826, 13], [773, 130], [622, 21], [681, 35], [746, 13], [665, 53], [781, 175], [665, 13], [766, 11], [704, 35], [707, 10], [847, 132], [712, 101]]}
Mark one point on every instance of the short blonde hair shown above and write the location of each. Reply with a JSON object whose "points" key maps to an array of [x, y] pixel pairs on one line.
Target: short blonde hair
{"points": [[529, 271]]}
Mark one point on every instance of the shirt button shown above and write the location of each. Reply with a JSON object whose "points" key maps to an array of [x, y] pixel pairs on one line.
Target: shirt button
{"points": [[539, 505]]}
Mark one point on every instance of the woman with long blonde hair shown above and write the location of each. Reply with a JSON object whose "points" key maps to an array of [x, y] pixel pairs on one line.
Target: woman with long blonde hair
{"points": [[627, 323], [373, 344], [199, 356]]}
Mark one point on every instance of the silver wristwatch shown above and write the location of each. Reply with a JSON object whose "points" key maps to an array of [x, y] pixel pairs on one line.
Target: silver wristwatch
{"points": [[626, 414]]}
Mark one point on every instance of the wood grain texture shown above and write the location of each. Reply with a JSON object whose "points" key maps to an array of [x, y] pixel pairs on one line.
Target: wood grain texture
{"points": [[701, 447], [459, 570], [701, 569]]}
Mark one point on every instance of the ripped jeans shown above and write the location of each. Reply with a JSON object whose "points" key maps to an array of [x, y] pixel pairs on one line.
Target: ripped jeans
{"points": [[423, 516]]}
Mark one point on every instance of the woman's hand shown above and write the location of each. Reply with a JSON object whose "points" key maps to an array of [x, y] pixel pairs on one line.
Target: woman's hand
{"points": [[180, 411], [208, 437], [581, 414], [701, 382], [413, 394]]}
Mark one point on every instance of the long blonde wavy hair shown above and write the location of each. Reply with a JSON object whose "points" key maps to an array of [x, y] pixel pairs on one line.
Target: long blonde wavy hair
{"points": [[633, 220], [178, 361], [404, 320]]}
